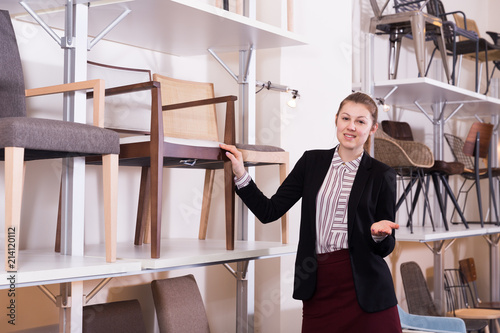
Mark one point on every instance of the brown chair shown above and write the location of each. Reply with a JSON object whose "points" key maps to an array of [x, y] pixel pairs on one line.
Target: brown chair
{"points": [[475, 147], [467, 267], [459, 301], [184, 134], [122, 316], [408, 158], [179, 306], [439, 172], [25, 139]]}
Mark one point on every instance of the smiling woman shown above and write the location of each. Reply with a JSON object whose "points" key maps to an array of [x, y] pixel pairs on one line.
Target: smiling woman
{"points": [[348, 201]]}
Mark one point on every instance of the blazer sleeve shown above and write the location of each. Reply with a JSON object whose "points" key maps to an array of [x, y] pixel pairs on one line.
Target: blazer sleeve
{"points": [[386, 210], [270, 209]]}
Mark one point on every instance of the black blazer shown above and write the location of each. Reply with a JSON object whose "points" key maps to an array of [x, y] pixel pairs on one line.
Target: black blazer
{"points": [[372, 199]]}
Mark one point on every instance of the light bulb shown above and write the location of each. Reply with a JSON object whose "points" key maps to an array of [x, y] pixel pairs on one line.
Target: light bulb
{"points": [[292, 102]]}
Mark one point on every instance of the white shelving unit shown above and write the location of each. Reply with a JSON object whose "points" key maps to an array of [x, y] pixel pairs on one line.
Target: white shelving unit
{"points": [[440, 102], [178, 27]]}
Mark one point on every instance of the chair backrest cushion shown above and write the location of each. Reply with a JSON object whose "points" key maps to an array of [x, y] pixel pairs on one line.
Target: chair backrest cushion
{"points": [[12, 90], [417, 293], [190, 123], [179, 306], [122, 316], [398, 130]]}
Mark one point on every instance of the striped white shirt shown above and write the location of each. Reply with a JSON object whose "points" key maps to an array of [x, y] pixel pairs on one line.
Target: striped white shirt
{"points": [[331, 205]]}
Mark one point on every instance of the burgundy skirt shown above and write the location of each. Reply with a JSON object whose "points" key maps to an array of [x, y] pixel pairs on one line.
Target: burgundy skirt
{"points": [[334, 307]]}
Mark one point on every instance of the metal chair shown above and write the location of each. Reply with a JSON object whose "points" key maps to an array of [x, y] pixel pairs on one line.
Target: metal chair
{"points": [[418, 296], [409, 19]]}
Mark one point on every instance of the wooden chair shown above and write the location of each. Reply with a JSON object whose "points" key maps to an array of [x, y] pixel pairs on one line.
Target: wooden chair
{"points": [[179, 306], [25, 139], [184, 134], [478, 145], [121, 316], [467, 268], [459, 300]]}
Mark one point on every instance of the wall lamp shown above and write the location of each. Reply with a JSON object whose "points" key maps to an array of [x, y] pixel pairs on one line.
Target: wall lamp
{"points": [[281, 88], [381, 101]]}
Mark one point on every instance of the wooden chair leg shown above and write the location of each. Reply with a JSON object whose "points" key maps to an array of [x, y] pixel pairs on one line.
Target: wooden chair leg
{"points": [[14, 158], [110, 182], [229, 195], [143, 206], [57, 245], [284, 218], [207, 200]]}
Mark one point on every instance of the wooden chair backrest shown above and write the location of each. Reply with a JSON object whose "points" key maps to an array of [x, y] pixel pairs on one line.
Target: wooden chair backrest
{"points": [[485, 132], [468, 269], [191, 123], [471, 25]]}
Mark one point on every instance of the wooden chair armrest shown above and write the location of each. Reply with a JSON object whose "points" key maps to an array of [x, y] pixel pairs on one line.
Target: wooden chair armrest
{"points": [[230, 124], [96, 85]]}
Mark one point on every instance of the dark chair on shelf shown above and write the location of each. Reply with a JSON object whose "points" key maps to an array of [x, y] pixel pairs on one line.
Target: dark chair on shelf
{"points": [[409, 20], [184, 134], [179, 306], [439, 172], [463, 38], [408, 158], [458, 41], [467, 268], [24, 139], [418, 296], [469, 153], [121, 316], [459, 301]]}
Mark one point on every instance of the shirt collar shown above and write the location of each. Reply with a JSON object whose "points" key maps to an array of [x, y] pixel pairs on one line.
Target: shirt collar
{"points": [[337, 161]]}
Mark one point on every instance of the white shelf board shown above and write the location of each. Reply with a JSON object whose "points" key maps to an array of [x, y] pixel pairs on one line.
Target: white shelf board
{"points": [[428, 92], [426, 234], [178, 27], [46, 267], [189, 252]]}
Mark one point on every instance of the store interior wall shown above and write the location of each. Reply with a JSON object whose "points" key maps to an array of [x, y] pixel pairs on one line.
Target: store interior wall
{"points": [[322, 71]]}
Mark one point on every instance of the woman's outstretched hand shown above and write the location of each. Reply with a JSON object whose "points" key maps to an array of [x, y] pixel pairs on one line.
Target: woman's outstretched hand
{"points": [[383, 228], [236, 159]]}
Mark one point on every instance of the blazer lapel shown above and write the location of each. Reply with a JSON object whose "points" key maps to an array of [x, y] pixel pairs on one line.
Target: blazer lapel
{"points": [[357, 188]]}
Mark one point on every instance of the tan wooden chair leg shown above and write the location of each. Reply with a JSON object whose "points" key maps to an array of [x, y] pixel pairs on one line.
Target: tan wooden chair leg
{"points": [[229, 195], [143, 207], [14, 170], [110, 182], [284, 218], [207, 200]]}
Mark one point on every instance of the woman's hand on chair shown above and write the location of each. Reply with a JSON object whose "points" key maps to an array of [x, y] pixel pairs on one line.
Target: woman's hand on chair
{"points": [[236, 159]]}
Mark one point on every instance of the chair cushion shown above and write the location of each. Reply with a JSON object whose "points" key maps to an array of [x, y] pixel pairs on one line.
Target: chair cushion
{"points": [[122, 316], [265, 148], [448, 168], [42, 135]]}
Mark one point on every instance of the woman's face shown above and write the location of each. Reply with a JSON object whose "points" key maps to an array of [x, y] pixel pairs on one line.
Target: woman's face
{"points": [[354, 125]]}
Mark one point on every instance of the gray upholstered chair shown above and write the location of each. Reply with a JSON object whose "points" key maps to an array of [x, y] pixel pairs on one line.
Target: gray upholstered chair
{"points": [[179, 306], [122, 316], [25, 139]]}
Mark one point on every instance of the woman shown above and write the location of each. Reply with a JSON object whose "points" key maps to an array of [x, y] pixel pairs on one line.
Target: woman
{"points": [[348, 203]]}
